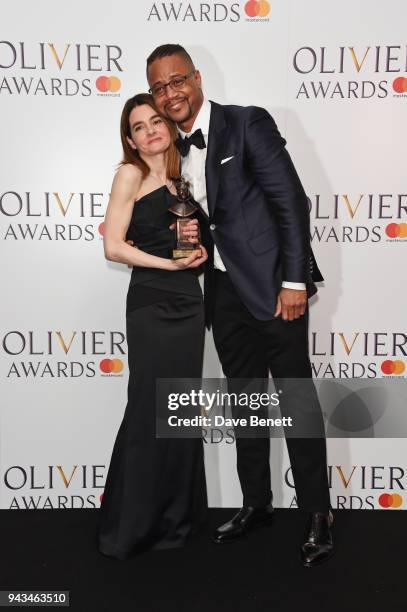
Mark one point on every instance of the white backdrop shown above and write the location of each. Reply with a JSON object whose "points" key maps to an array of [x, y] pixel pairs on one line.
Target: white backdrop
{"points": [[336, 83]]}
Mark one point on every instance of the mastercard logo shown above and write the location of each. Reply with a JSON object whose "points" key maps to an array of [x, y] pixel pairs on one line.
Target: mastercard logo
{"points": [[105, 84], [396, 230], [101, 497], [257, 8], [400, 85], [101, 229], [388, 500], [391, 366], [111, 366]]}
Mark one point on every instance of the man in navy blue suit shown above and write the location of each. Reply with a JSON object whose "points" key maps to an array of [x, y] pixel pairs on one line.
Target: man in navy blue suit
{"points": [[259, 275]]}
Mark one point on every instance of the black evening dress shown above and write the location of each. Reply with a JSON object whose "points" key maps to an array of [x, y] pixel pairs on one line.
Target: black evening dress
{"points": [[155, 492]]}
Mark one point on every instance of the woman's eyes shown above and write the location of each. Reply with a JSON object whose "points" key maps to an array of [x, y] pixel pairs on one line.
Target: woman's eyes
{"points": [[142, 127]]}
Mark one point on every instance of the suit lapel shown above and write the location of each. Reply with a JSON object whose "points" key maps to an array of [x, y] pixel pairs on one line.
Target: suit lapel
{"points": [[218, 129]]}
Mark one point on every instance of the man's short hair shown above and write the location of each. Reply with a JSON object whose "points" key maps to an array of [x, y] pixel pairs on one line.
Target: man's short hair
{"points": [[166, 51]]}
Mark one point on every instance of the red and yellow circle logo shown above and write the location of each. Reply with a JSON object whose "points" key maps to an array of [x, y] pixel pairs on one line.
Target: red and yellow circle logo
{"points": [[389, 500], [396, 230], [111, 366], [400, 85], [393, 366], [105, 84], [101, 228], [257, 8]]}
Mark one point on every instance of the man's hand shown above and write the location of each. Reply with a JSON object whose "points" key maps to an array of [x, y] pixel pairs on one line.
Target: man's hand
{"points": [[189, 230], [291, 304]]}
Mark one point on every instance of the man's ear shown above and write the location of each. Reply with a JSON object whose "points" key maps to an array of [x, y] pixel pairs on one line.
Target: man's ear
{"points": [[131, 143], [197, 77]]}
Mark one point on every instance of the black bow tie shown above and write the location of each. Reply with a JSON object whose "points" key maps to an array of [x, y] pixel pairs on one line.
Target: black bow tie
{"points": [[184, 144]]}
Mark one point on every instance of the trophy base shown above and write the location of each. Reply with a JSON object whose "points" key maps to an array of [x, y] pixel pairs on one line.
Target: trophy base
{"points": [[181, 253]]}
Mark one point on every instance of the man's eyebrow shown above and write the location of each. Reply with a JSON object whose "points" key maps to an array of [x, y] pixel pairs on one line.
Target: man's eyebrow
{"points": [[173, 75]]}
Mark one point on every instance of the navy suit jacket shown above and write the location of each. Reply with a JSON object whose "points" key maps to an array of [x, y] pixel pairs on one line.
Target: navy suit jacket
{"points": [[258, 210]]}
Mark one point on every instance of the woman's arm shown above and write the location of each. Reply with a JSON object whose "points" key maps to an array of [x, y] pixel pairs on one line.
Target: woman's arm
{"points": [[126, 185]]}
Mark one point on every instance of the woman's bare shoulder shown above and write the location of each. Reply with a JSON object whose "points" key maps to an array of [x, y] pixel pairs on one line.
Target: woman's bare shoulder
{"points": [[129, 173], [127, 182]]}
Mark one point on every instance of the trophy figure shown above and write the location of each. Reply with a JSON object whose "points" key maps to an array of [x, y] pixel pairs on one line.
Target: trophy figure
{"points": [[183, 210]]}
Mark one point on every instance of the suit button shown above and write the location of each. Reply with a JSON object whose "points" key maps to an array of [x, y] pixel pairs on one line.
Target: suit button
{"points": [[212, 226]]}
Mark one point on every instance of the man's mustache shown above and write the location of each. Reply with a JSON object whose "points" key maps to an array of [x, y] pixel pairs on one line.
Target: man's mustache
{"points": [[174, 101]]}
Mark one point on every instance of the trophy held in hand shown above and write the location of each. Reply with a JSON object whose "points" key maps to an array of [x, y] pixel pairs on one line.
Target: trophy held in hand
{"points": [[183, 211]]}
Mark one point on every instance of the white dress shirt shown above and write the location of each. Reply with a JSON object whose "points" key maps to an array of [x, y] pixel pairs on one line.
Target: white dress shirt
{"points": [[193, 170]]}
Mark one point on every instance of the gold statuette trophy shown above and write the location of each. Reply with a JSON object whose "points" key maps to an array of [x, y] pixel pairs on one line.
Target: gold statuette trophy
{"points": [[183, 210]]}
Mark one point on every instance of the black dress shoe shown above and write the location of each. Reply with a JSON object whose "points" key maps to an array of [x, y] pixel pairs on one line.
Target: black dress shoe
{"points": [[247, 518], [318, 545]]}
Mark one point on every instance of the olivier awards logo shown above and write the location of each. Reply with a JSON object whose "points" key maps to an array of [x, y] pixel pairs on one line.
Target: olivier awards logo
{"points": [[350, 73], [59, 69], [360, 487], [56, 354], [212, 12], [356, 218], [358, 354], [53, 486], [51, 216]]}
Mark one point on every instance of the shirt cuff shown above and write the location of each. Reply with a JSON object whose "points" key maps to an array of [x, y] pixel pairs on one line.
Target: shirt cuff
{"points": [[298, 286]]}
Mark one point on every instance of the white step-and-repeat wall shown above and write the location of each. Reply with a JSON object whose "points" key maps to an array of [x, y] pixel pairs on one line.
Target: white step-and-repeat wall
{"points": [[334, 77]]}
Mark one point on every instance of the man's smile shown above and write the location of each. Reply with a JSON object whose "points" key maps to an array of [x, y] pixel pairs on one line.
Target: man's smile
{"points": [[174, 105]]}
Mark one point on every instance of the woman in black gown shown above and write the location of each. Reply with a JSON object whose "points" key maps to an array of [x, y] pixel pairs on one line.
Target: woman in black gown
{"points": [[155, 491]]}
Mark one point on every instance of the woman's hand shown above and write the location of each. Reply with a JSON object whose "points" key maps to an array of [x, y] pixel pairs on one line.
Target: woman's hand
{"points": [[193, 261]]}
